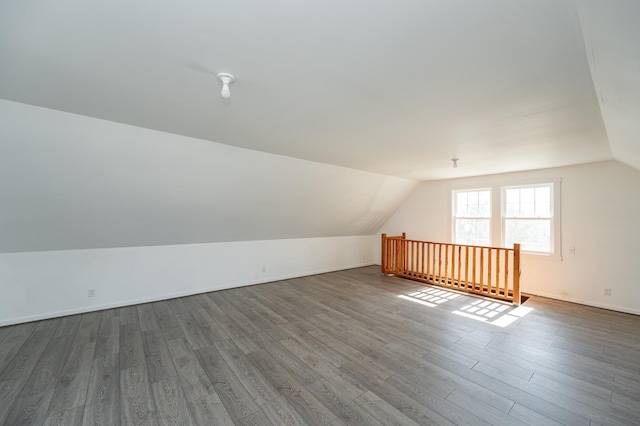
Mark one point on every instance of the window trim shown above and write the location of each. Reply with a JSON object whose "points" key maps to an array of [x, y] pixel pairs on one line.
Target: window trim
{"points": [[551, 218], [495, 184], [454, 209]]}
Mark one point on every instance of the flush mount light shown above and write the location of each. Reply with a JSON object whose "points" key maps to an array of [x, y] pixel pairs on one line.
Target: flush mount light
{"points": [[226, 80], [454, 160]]}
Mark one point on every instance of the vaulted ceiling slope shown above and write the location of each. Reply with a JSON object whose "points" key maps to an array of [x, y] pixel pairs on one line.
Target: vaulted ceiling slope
{"points": [[612, 38], [396, 88], [72, 182]]}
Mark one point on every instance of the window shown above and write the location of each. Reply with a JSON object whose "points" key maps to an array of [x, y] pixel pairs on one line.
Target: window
{"points": [[527, 215], [472, 217]]}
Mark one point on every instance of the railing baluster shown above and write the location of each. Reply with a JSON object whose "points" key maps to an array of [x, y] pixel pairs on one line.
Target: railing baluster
{"points": [[430, 261], [481, 270], [414, 245], [433, 269], [516, 274], [498, 270], [466, 267], [436, 278], [459, 263], [506, 273], [489, 270], [422, 261], [473, 269]]}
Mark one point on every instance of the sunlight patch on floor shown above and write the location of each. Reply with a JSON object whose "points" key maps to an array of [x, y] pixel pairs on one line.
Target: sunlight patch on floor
{"points": [[434, 295], [496, 313]]}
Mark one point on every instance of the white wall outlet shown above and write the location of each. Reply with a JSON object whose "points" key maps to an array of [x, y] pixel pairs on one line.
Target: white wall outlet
{"points": [[572, 250], [264, 268], [91, 292], [607, 292]]}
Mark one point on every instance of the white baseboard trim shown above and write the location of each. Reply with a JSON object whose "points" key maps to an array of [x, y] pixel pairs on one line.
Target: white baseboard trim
{"points": [[585, 302], [119, 304]]}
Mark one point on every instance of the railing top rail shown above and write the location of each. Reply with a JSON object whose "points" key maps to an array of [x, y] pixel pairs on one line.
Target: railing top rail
{"points": [[449, 244]]}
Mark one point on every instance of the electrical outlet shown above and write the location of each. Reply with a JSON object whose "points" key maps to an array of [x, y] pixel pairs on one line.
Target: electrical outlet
{"points": [[572, 250], [607, 292], [91, 292], [264, 268]]}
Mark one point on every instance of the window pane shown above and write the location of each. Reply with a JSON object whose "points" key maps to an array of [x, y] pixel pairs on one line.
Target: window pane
{"points": [[527, 202], [513, 196], [543, 201], [461, 204], [533, 235], [527, 195], [472, 197], [476, 232], [473, 204], [512, 202], [484, 202]]}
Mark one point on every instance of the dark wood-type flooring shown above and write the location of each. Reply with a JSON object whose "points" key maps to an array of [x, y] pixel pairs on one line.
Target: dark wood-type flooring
{"points": [[338, 348]]}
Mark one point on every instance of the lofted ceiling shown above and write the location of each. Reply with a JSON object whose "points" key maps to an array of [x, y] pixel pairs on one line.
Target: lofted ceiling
{"points": [[396, 88]]}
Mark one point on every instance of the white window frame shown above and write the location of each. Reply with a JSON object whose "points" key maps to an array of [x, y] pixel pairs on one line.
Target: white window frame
{"points": [[551, 219], [454, 210], [495, 184]]}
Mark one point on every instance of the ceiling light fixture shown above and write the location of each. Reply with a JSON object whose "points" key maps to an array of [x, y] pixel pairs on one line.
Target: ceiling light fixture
{"points": [[226, 80], [455, 162]]}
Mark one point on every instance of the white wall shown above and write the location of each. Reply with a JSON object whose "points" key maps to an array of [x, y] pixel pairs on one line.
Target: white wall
{"points": [[142, 215], [73, 182], [600, 205], [39, 285]]}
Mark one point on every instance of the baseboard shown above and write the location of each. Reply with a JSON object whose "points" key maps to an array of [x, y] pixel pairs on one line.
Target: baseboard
{"points": [[585, 302], [120, 304]]}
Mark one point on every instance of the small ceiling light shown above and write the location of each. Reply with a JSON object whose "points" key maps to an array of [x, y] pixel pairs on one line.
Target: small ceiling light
{"points": [[455, 162], [226, 80]]}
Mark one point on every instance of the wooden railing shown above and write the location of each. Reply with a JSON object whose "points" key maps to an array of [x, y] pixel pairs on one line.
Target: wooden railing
{"points": [[487, 271]]}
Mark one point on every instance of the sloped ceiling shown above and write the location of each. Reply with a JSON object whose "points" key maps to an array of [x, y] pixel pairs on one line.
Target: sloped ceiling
{"points": [[612, 38], [396, 88], [113, 132], [72, 182]]}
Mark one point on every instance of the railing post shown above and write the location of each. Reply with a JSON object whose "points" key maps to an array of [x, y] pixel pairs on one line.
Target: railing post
{"points": [[516, 274], [383, 254]]}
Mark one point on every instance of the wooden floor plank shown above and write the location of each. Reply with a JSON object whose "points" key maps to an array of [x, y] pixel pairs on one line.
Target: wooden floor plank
{"points": [[71, 390], [26, 358], [30, 410], [303, 401], [234, 396], [9, 392], [195, 383], [253, 381], [339, 348], [46, 372], [279, 412], [159, 363], [102, 406], [72, 417], [171, 404], [147, 317], [13, 341], [383, 411], [209, 410], [130, 346], [136, 402]]}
